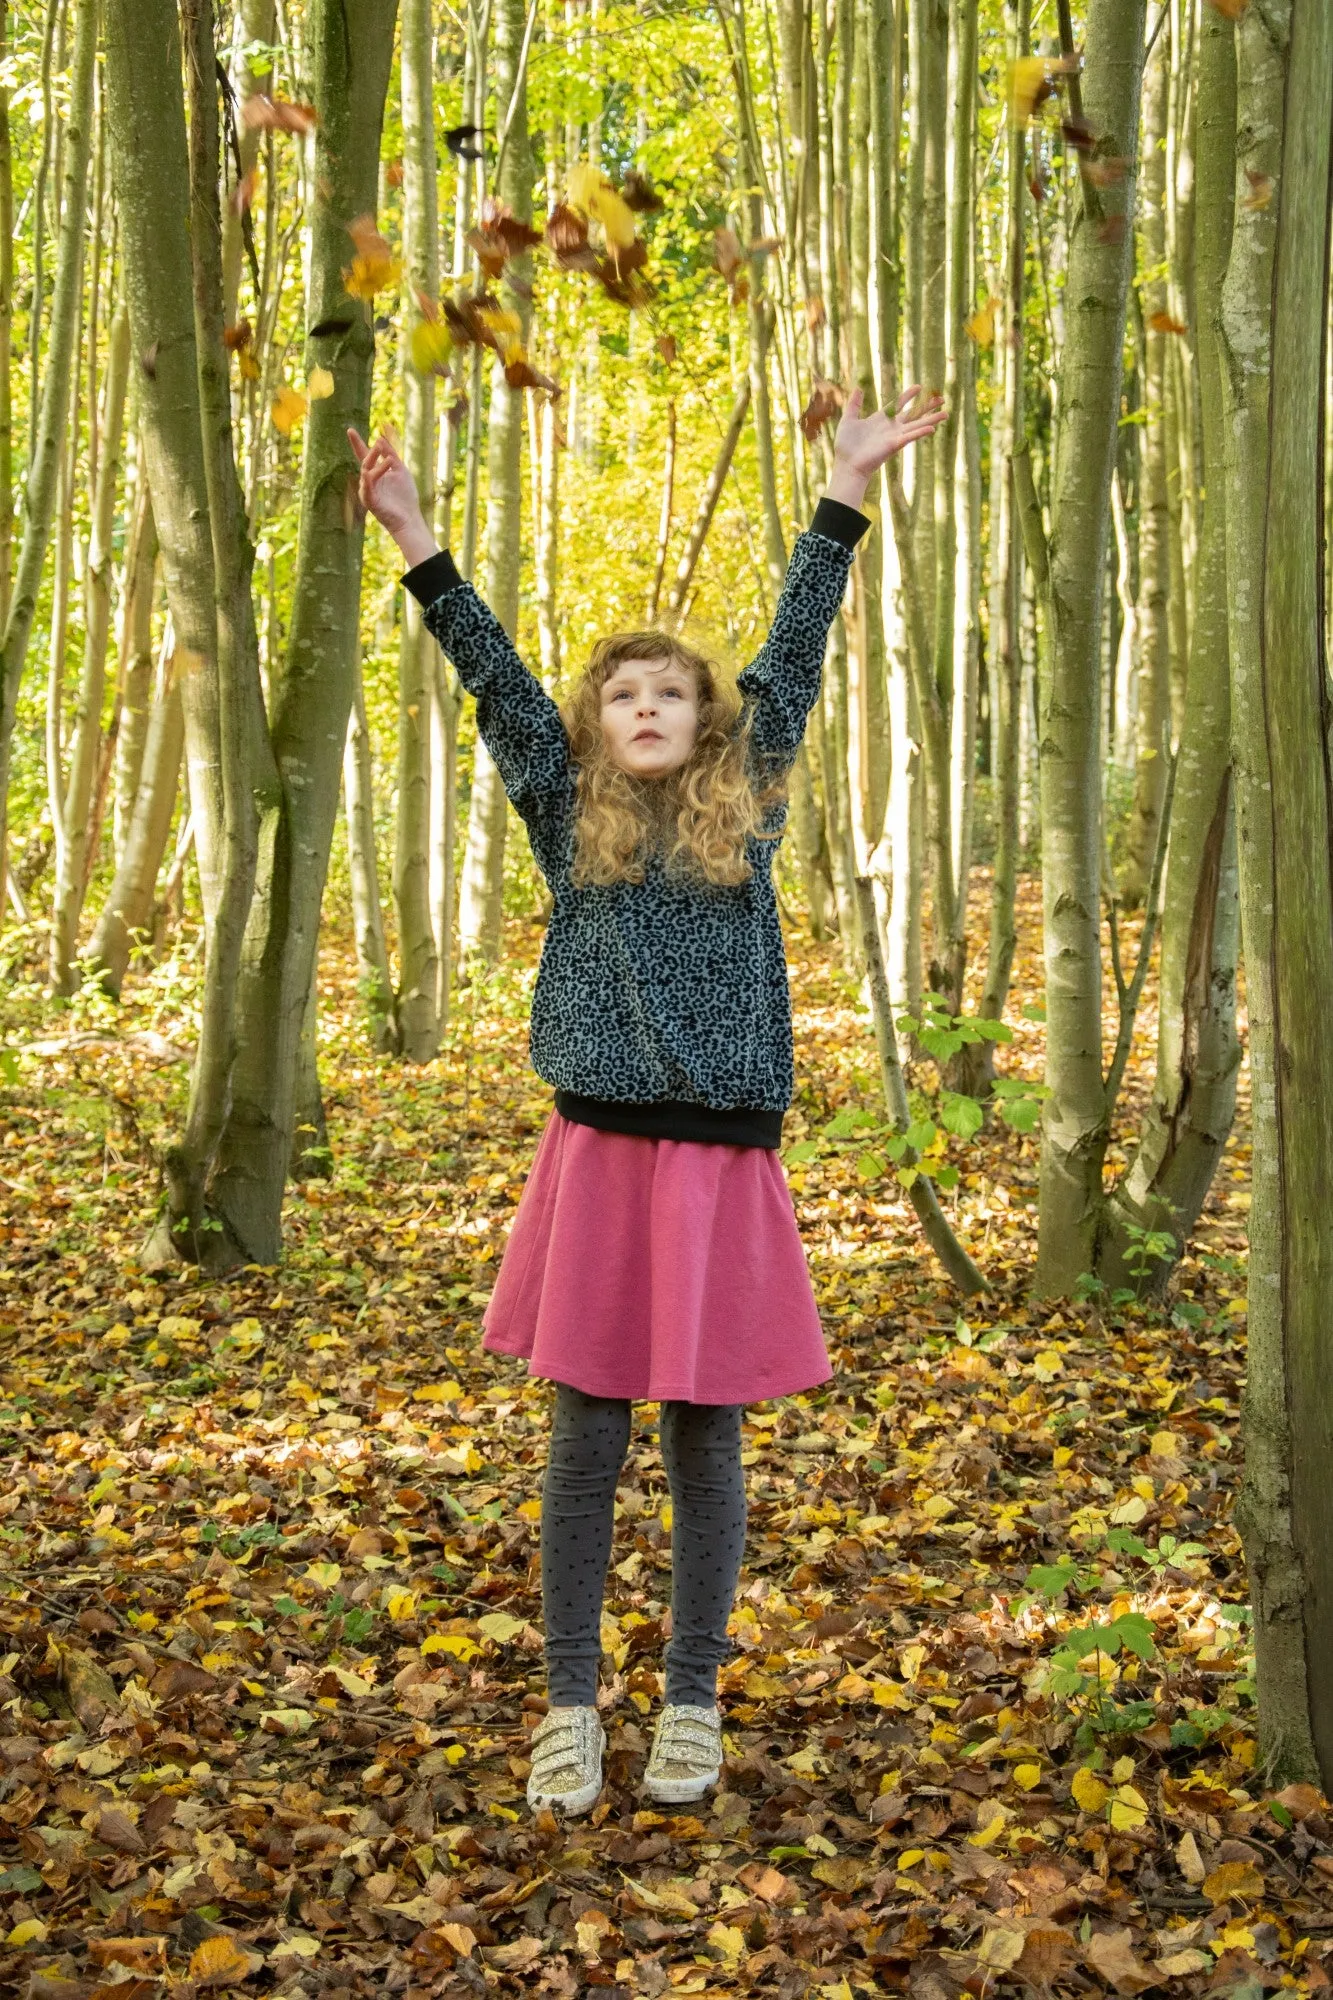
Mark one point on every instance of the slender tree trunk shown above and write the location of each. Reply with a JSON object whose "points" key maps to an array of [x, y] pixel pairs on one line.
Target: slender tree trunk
{"points": [[256, 23], [136, 659], [6, 350], [1198, 1053], [481, 914], [52, 413], [1273, 381], [72, 845], [664, 517], [1074, 1128], [708, 499], [349, 50], [126, 918], [1154, 605], [372, 954], [418, 1011]]}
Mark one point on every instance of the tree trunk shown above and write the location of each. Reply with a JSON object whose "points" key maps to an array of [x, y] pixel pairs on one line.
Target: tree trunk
{"points": [[73, 856], [350, 50], [6, 351], [127, 915], [1284, 813], [418, 1013], [150, 167], [1074, 1126], [1154, 605], [1284, 802], [52, 412], [256, 23], [372, 955], [136, 659], [481, 915], [1198, 1053]]}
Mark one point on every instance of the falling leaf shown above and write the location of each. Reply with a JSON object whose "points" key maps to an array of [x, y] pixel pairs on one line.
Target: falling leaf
{"points": [[393, 174], [320, 384], [1033, 80], [269, 114], [221, 1961], [666, 347], [1261, 190], [287, 409], [374, 266], [1108, 171], [815, 316], [500, 235], [826, 400], [457, 139], [1077, 133], [238, 336], [639, 194], [763, 246], [1230, 10], [981, 326], [337, 323], [520, 374], [242, 195], [590, 190], [728, 256], [1162, 322]]}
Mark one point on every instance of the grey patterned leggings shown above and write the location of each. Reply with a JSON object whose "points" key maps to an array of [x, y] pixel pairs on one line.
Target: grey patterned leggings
{"points": [[701, 1450]]}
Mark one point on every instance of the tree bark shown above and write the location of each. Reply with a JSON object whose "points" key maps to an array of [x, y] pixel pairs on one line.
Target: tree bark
{"points": [[52, 411], [1272, 376], [126, 917], [417, 1005], [481, 913], [1074, 1126], [6, 349], [372, 955], [1153, 619], [73, 855], [1198, 1052]]}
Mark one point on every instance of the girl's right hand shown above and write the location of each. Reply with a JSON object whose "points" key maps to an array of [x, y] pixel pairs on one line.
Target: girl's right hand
{"points": [[386, 488]]}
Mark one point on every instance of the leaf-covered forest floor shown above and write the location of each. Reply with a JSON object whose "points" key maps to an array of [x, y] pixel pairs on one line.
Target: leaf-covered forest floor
{"points": [[269, 1606]]}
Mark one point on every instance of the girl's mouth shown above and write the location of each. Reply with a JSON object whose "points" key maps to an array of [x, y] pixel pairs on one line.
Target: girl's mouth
{"points": [[648, 736]]}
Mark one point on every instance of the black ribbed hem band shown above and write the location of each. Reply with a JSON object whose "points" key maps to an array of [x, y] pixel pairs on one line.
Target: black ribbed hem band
{"points": [[840, 522], [743, 1126], [431, 579]]}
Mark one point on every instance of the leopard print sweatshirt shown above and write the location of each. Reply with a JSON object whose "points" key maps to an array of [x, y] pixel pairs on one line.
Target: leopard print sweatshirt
{"points": [[661, 1006]]}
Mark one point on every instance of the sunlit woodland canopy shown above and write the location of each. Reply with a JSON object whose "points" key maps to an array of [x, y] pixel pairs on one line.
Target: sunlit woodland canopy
{"points": [[1056, 892]]}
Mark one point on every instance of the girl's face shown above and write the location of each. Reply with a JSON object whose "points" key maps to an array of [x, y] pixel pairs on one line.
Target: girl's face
{"points": [[650, 716]]}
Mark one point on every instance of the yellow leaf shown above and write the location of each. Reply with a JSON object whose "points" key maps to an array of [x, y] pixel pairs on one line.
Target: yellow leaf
{"points": [[998, 1819], [287, 410], [1129, 1809], [31, 1931], [320, 384], [286, 1721], [323, 1575], [1233, 1878], [981, 326], [400, 1604], [1028, 1776], [729, 1941], [501, 1626], [1047, 1364], [938, 1507], [1189, 1860], [302, 1945], [911, 1857], [456, 1643], [220, 1961], [455, 1753], [1180, 1964], [438, 1392], [1122, 1770], [1089, 1791], [365, 276], [888, 1694], [1001, 1948], [667, 1516]]}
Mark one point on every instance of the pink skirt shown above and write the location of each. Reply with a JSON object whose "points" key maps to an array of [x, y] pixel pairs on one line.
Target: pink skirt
{"points": [[657, 1270]]}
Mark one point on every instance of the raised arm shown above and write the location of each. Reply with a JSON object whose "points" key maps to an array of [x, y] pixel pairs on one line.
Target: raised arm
{"points": [[516, 718], [781, 685]]}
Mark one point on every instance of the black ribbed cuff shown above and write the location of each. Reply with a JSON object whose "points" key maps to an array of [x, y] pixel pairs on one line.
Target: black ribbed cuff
{"points": [[839, 522], [430, 579]]}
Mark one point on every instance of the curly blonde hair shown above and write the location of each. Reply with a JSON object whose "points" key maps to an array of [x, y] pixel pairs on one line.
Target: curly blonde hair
{"points": [[700, 814]]}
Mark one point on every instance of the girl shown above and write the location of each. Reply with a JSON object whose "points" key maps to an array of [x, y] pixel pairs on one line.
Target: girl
{"points": [[654, 1253]]}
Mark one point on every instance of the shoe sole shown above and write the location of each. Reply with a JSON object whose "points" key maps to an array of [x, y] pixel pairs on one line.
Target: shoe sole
{"points": [[679, 1791], [570, 1803]]}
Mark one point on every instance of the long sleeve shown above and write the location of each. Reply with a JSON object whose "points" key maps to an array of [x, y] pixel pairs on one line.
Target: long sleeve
{"points": [[516, 718], [781, 684]]}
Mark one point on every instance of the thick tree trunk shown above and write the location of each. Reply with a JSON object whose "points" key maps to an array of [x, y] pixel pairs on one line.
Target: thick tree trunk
{"points": [[481, 915], [1284, 801], [150, 168], [1198, 1053], [51, 414], [1154, 605], [1074, 1126], [350, 49], [418, 1012], [73, 855], [372, 955]]}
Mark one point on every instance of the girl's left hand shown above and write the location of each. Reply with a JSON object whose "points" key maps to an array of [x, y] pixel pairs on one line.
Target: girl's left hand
{"points": [[864, 444]]}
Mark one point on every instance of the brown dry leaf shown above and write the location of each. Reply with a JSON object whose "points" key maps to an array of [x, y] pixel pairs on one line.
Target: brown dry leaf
{"points": [[841, 1872], [815, 316], [639, 195], [137, 1954], [1240, 1880], [1261, 190], [242, 195], [567, 239], [91, 1690], [520, 374], [393, 174], [824, 404], [1230, 10], [1300, 1800], [118, 1830], [238, 336], [666, 347], [1108, 171], [222, 1961], [1111, 1956], [519, 1956], [727, 253], [1163, 322], [768, 1883], [1047, 1951]]}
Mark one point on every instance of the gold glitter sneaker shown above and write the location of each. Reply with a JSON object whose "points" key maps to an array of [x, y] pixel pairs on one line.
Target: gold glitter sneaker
{"points": [[686, 1757], [566, 1773]]}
